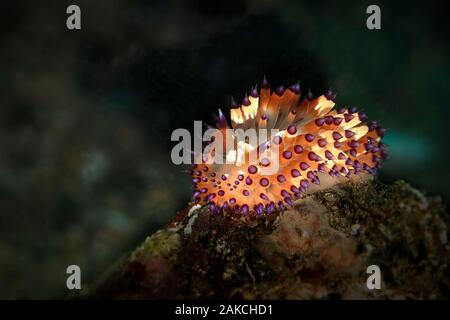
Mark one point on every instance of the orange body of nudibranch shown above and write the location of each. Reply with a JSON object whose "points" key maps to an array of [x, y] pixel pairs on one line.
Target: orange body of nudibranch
{"points": [[318, 146]]}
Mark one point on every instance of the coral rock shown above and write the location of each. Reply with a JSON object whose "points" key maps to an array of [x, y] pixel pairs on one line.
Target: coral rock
{"points": [[320, 248]]}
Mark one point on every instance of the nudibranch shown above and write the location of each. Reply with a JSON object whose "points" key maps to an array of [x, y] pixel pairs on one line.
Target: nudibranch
{"points": [[317, 146]]}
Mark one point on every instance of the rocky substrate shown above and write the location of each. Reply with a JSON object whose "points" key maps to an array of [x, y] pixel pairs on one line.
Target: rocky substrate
{"points": [[319, 249]]}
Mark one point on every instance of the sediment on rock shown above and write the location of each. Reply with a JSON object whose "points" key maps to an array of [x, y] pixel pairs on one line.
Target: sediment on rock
{"points": [[319, 249]]}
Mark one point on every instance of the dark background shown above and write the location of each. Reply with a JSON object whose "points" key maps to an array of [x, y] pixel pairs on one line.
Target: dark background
{"points": [[86, 116]]}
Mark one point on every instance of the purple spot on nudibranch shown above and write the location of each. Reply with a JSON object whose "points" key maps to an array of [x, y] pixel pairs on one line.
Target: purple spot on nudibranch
{"points": [[304, 184], [234, 104], [221, 121], [265, 84], [264, 182], [372, 125], [265, 162], [349, 134], [329, 94], [281, 178], [292, 129], [211, 196], [309, 137], [248, 181], [295, 88], [348, 117], [337, 135], [304, 166], [288, 200], [322, 142], [277, 140], [252, 169], [362, 116], [337, 120], [287, 154], [264, 196], [329, 120], [196, 194], [259, 209], [246, 193], [246, 101], [310, 175], [352, 109], [284, 193], [295, 173], [319, 122], [298, 149], [254, 92], [279, 91], [313, 156], [381, 131], [329, 155]]}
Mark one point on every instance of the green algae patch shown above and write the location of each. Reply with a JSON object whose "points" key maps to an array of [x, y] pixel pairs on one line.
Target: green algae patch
{"points": [[162, 243]]}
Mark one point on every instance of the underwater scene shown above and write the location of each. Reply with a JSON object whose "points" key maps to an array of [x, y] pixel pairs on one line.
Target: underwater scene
{"points": [[224, 150]]}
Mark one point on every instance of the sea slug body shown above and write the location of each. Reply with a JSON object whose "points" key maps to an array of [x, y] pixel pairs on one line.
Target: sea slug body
{"points": [[318, 146]]}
